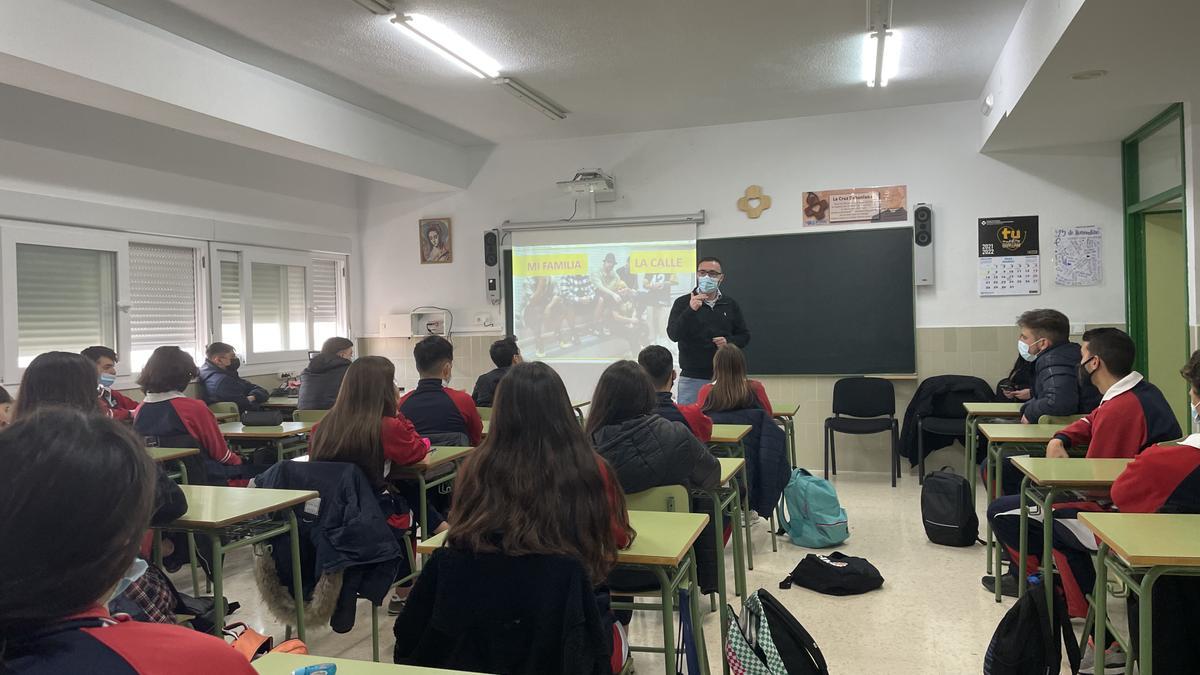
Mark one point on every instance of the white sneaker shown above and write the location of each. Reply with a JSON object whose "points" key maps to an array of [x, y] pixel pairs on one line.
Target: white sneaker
{"points": [[1114, 661]]}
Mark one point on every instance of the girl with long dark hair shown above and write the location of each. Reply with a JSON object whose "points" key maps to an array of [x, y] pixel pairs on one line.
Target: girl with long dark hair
{"points": [[58, 378], [731, 388]]}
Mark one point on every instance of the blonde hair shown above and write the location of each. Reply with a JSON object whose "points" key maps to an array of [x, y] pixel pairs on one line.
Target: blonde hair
{"points": [[730, 390]]}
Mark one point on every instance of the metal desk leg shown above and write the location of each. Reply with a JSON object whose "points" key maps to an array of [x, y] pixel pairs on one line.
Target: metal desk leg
{"points": [[668, 619], [989, 490], [191, 538], [278, 450], [697, 619], [297, 580], [1024, 549], [218, 573], [1145, 647], [739, 553], [970, 449], [1048, 554], [718, 514], [1100, 601], [423, 514]]}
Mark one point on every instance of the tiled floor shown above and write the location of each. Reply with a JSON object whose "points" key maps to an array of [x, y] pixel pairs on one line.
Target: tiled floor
{"points": [[931, 616]]}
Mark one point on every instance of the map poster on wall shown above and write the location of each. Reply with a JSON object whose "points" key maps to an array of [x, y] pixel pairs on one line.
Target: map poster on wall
{"points": [[887, 204], [1009, 256], [1078, 260]]}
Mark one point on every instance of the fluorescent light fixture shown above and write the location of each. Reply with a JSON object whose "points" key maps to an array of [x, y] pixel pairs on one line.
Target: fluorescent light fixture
{"points": [[531, 96], [380, 7], [880, 57], [450, 45]]}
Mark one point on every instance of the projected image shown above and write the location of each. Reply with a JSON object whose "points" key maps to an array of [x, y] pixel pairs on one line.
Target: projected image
{"points": [[598, 302]]}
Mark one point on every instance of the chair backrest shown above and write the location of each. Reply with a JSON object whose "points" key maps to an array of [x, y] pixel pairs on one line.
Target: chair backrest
{"points": [[1059, 419], [223, 408], [309, 416], [450, 440], [864, 397], [661, 498]]}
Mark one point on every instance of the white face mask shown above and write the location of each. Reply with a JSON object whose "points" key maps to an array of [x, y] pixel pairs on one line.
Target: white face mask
{"points": [[1195, 414], [1023, 349]]}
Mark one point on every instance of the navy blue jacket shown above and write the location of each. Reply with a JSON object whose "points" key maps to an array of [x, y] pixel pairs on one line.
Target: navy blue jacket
{"points": [[219, 385], [435, 410], [767, 464], [1056, 389]]}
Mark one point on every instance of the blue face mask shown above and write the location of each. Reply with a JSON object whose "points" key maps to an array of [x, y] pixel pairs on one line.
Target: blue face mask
{"points": [[707, 285], [135, 571], [107, 380], [1195, 415], [1023, 350]]}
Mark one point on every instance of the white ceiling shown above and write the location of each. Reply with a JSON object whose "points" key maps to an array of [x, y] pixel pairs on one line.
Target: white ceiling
{"points": [[618, 66]]}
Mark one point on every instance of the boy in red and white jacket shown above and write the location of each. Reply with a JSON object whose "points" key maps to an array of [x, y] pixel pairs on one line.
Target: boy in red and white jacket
{"points": [[1132, 415], [660, 366], [433, 408], [119, 406]]}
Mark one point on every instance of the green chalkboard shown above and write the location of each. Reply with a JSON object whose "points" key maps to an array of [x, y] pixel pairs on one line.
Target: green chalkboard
{"points": [[823, 303]]}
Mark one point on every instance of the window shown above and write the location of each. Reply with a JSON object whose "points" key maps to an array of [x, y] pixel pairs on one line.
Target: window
{"points": [[326, 318], [230, 308], [66, 299], [278, 307], [163, 303]]}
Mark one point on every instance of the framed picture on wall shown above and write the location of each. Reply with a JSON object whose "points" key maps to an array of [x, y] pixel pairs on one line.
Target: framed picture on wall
{"points": [[436, 246]]}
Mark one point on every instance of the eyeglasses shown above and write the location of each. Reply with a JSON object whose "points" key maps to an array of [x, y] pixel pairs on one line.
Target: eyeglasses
{"points": [[708, 273]]}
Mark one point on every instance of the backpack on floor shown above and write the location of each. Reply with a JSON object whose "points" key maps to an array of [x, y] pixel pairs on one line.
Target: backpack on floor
{"points": [[1026, 644], [948, 510], [811, 515], [771, 641]]}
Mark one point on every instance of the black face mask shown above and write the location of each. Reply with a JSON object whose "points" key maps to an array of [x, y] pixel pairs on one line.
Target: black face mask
{"points": [[235, 364], [1085, 378]]}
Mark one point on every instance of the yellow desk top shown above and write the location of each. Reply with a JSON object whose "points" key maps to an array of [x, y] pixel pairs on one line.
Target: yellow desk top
{"points": [[1071, 472], [282, 402], [485, 414], [1149, 539], [285, 430], [438, 456], [729, 433], [214, 507], [663, 539], [1020, 433], [169, 454], [284, 664], [784, 408], [729, 467], [993, 409]]}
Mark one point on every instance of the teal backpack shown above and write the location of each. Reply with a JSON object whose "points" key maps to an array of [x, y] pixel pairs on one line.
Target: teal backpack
{"points": [[814, 518]]}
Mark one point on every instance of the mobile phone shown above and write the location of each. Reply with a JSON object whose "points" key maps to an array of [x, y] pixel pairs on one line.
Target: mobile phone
{"points": [[316, 669]]}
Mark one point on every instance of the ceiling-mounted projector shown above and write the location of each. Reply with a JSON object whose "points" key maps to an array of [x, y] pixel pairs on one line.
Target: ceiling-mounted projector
{"points": [[591, 181]]}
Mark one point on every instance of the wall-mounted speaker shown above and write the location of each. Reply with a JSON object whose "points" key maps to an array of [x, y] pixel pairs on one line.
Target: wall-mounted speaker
{"points": [[923, 245], [491, 264]]}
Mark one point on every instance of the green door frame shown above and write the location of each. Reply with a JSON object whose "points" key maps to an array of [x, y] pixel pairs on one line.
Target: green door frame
{"points": [[1136, 207]]}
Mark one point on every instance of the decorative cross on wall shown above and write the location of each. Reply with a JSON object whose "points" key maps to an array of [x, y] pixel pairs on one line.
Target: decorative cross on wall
{"points": [[754, 202]]}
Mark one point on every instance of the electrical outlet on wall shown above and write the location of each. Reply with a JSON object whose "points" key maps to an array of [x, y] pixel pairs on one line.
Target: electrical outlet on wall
{"points": [[484, 320]]}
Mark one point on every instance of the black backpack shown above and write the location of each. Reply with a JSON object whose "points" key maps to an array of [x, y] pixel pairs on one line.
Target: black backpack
{"points": [[770, 640], [1026, 644], [948, 510]]}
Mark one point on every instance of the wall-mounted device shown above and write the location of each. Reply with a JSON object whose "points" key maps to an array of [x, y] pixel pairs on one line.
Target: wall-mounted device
{"points": [[491, 265], [923, 245], [594, 182], [419, 323]]}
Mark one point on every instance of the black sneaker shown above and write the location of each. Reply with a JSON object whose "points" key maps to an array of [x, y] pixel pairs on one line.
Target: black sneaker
{"points": [[1008, 585]]}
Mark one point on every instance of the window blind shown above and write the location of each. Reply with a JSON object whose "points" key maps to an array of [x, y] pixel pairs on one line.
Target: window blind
{"points": [[297, 308], [231, 304], [266, 303], [325, 300], [163, 305], [66, 299]]}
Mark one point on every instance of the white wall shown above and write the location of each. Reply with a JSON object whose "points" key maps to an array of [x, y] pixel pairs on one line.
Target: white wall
{"points": [[933, 149]]}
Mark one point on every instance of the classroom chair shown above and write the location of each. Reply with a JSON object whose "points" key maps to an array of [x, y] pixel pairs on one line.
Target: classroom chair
{"points": [[1059, 419], [946, 415], [862, 405], [309, 416], [224, 408]]}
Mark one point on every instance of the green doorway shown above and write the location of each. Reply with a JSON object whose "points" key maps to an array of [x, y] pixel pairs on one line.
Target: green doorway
{"points": [[1156, 270]]}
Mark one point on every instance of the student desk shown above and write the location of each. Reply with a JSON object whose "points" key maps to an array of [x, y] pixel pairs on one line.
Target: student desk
{"points": [[278, 436], [976, 412], [1149, 546], [161, 456], [1001, 436], [282, 402], [485, 414], [727, 439], [663, 545], [1044, 480], [786, 413], [223, 417], [438, 457], [285, 664], [237, 513]]}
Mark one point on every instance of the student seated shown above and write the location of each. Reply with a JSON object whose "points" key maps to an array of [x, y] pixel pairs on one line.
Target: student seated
{"points": [[1132, 415], [175, 420], [364, 427], [58, 378], [505, 354], [660, 366], [519, 586], [1056, 389], [731, 389], [119, 406], [435, 409], [1166, 479], [77, 553], [648, 451], [320, 381], [220, 382], [6, 406]]}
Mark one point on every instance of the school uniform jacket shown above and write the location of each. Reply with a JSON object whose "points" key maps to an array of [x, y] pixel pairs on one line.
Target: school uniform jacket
{"points": [[1056, 389], [690, 415], [119, 406], [1163, 479], [434, 409], [96, 643], [1132, 416], [485, 386], [760, 394], [174, 414], [219, 385]]}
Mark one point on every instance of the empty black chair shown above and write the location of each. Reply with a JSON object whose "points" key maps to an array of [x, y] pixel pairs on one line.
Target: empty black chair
{"points": [[943, 414], [862, 405]]}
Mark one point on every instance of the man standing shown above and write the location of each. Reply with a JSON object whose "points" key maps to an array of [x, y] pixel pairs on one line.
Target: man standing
{"points": [[701, 322]]}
